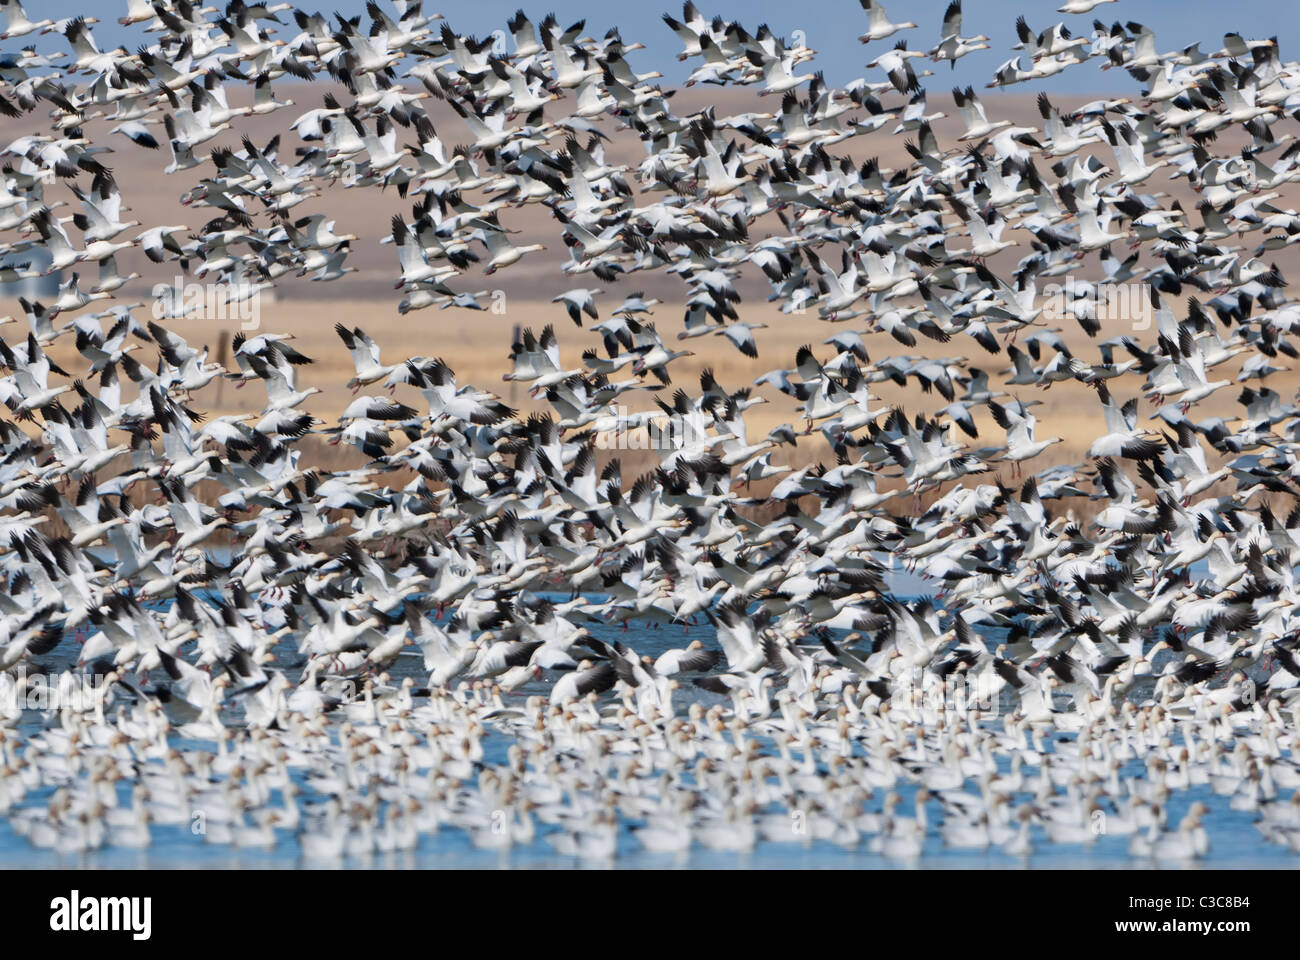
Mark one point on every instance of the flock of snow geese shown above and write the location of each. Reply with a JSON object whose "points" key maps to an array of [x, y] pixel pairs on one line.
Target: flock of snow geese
{"points": [[353, 660]]}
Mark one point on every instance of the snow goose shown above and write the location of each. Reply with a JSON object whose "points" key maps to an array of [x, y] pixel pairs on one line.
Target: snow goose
{"points": [[879, 26], [1122, 438], [952, 45], [1019, 425], [972, 114], [1189, 841]]}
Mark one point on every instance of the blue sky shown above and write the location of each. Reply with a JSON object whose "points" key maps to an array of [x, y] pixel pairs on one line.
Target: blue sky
{"points": [[830, 27]]}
